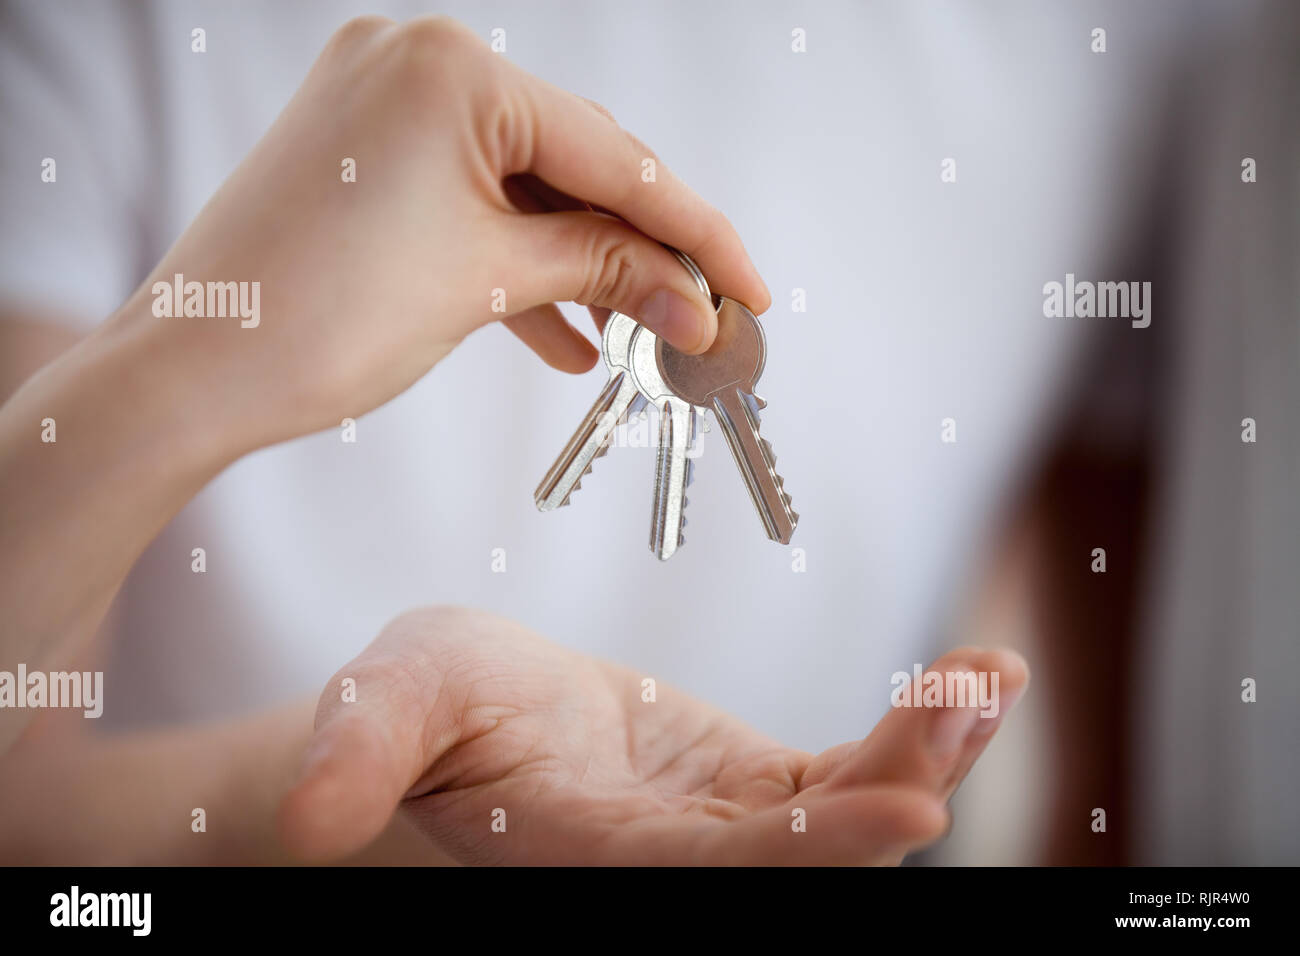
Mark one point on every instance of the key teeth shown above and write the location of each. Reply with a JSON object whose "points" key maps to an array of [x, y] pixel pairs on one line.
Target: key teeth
{"points": [[604, 450], [681, 528], [755, 403], [786, 499], [769, 454]]}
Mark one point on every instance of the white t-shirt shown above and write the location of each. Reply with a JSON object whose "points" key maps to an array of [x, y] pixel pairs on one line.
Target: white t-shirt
{"points": [[924, 302]]}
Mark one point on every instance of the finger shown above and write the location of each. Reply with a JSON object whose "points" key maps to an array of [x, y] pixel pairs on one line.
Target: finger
{"points": [[854, 826], [529, 194], [936, 747], [598, 107], [545, 330], [859, 826], [365, 754], [829, 762], [603, 111], [596, 260], [599, 315], [583, 153], [930, 747]]}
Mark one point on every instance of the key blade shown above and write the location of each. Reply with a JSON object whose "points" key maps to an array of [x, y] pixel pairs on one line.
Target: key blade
{"points": [[756, 462], [589, 442], [673, 473]]}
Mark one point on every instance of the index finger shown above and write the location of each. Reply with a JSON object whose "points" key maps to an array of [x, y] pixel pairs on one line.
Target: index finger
{"points": [[584, 153]]}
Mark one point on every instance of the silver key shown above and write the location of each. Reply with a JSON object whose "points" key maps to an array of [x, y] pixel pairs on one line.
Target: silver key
{"points": [[611, 407], [673, 470], [723, 378]]}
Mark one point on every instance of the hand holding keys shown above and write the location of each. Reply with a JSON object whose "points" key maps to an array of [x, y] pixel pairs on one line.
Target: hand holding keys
{"points": [[643, 368]]}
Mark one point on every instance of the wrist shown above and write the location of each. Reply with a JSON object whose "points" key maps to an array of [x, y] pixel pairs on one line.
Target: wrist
{"points": [[166, 374]]}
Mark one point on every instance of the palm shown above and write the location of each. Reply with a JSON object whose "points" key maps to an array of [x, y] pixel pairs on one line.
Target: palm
{"points": [[526, 752], [579, 761]]}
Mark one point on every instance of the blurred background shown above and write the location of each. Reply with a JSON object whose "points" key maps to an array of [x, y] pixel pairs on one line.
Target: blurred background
{"points": [[924, 302]]}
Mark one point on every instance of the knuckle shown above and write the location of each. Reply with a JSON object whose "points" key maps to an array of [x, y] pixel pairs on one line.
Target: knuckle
{"points": [[640, 148], [502, 128], [641, 154], [361, 28], [611, 271], [432, 56], [601, 109], [436, 37], [356, 32]]}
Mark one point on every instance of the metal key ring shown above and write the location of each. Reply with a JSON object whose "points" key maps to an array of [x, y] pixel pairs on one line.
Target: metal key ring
{"points": [[702, 282], [693, 269]]}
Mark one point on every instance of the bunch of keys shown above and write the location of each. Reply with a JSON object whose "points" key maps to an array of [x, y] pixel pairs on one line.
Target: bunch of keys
{"points": [[645, 369]]}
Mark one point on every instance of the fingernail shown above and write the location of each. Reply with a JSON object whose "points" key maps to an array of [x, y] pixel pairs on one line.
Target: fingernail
{"points": [[950, 729], [671, 317]]}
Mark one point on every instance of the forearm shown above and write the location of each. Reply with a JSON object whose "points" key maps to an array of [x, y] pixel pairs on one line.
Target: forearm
{"points": [[132, 443], [74, 799]]}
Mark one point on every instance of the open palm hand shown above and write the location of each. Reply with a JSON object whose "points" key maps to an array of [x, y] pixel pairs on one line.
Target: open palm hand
{"points": [[505, 748]]}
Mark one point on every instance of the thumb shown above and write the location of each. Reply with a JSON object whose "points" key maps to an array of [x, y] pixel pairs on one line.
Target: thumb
{"points": [[368, 749], [594, 259]]}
